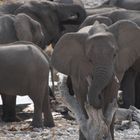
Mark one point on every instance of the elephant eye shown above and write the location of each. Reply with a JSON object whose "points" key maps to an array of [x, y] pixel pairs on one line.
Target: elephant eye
{"points": [[90, 60], [114, 55]]}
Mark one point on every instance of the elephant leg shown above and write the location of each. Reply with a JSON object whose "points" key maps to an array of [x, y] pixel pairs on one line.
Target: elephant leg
{"points": [[48, 119], [109, 94], [128, 88], [112, 127], [38, 101], [137, 92], [80, 90], [51, 94], [9, 108], [81, 136], [69, 85]]}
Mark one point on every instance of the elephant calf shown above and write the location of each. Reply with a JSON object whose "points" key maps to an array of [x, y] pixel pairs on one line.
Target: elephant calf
{"points": [[24, 71]]}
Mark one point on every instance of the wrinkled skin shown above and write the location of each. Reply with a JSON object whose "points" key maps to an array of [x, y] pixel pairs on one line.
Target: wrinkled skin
{"points": [[95, 54], [30, 70], [52, 18], [129, 84]]}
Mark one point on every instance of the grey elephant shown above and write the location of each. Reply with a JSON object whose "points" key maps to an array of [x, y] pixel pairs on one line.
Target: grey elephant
{"points": [[127, 4], [112, 17], [96, 58], [129, 84], [78, 2], [14, 28], [25, 71], [52, 16], [21, 27]]}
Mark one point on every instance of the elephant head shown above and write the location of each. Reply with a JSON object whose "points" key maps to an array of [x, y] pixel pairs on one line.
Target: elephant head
{"points": [[28, 29], [90, 52], [52, 17], [98, 53]]}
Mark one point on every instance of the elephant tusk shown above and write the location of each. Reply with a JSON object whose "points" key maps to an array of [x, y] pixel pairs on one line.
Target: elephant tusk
{"points": [[89, 80], [116, 79]]}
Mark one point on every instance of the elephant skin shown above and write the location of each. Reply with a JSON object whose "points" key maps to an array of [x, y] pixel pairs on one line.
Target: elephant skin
{"points": [[96, 58], [25, 71]]}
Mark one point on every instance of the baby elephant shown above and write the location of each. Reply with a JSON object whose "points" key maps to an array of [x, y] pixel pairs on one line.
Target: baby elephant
{"points": [[24, 70]]}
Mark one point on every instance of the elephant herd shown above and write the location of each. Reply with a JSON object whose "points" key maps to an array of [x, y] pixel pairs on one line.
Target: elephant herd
{"points": [[99, 53], [25, 66]]}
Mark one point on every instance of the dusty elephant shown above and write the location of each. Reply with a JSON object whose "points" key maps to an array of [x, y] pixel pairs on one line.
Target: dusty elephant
{"points": [[78, 2], [129, 84], [30, 70], [127, 4], [19, 27], [93, 59], [112, 17]]}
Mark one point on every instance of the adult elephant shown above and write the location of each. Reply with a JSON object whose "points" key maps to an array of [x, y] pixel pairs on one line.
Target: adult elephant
{"points": [[112, 17], [127, 4], [94, 57], [52, 16], [78, 2], [18, 27], [129, 84], [21, 27], [25, 71]]}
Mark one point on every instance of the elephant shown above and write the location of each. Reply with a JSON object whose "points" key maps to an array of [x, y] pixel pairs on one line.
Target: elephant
{"points": [[52, 16], [127, 4], [25, 71], [129, 84], [15, 28], [78, 2], [20, 27], [96, 58], [112, 17]]}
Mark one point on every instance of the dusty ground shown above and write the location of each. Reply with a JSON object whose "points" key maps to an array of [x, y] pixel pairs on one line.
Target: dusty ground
{"points": [[66, 127]]}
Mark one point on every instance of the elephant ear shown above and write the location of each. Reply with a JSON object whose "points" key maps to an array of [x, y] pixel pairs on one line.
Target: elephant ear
{"points": [[23, 28], [69, 55], [28, 29], [127, 34]]}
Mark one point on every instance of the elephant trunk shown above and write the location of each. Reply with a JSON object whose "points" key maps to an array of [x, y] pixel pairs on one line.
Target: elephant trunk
{"points": [[101, 78], [70, 14]]}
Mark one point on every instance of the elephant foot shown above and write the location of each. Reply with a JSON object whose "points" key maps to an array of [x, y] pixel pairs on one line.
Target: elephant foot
{"points": [[11, 119], [36, 124], [49, 124]]}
